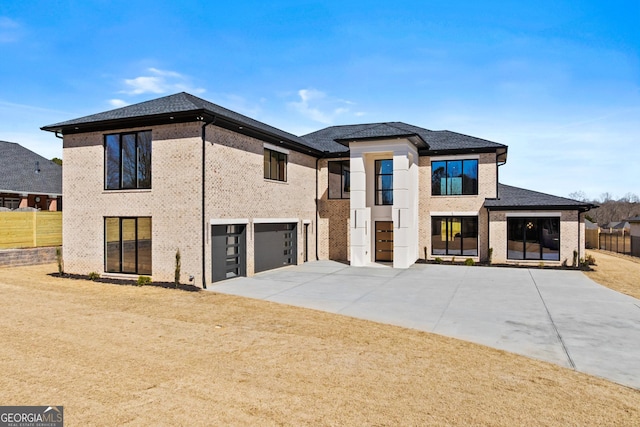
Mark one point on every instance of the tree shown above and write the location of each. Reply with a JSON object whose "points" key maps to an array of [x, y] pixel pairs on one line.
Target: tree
{"points": [[578, 195], [57, 161]]}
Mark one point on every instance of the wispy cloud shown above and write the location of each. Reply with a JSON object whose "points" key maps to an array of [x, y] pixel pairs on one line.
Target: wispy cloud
{"points": [[318, 106], [118, 103], [159, 82], [10, 30]]}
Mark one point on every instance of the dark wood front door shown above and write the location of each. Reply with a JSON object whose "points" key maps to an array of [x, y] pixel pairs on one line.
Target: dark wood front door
{"points": [[384, 241]]}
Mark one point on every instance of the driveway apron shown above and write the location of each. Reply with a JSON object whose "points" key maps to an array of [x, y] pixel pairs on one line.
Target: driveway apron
{"points": [[558, 316]]}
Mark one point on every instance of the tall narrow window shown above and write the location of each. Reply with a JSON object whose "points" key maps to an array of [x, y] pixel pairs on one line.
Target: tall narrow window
{"points": [[454, 177], [127, 245], [339, 180], [128, 160], [384, 182], [275, 165], [454, 235], [533, 238]]}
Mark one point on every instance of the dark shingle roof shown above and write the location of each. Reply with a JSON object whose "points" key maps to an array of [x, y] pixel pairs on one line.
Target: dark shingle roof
{"points": [[520, 198], [186, 107], [436, 141], [18, 171], [179, 104], [634, 219]]}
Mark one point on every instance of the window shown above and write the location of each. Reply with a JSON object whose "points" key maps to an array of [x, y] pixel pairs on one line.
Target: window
{"points": [[10, 202], [127, 245], [454, 177], [128, 160], [454, 235], [339, 180], [533, 238], [384, 182], [275, 165]]}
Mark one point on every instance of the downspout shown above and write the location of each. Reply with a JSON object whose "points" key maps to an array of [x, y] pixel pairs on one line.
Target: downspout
{"points": [[58, 136], [204, 224], [488, 232]]}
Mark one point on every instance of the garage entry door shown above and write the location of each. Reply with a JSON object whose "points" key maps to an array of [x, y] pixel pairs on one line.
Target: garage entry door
{"points": [[229, 251], [275, 246]]}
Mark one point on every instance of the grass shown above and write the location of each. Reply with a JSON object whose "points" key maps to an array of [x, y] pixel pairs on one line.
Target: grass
{"points": [[618, 272], [126, 355]]}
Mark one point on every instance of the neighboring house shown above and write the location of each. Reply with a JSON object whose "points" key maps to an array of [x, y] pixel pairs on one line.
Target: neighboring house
{"points": [[28, 179], [237, 196]]}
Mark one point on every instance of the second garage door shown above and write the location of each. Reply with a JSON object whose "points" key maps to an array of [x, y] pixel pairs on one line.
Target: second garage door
{"points": [[275, 245]]}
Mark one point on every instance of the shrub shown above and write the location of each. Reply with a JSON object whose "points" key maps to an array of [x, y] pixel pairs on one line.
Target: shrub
{"points": [[469, 261], [94, 276], [438, 260], [575, 258], [490, 255], [144, 280], [541, 264], [453, 260], [178, 266], [60, 261], [590, 260]]}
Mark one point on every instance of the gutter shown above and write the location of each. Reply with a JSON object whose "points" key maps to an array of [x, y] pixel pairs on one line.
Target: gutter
{"points": [[204, 223]]}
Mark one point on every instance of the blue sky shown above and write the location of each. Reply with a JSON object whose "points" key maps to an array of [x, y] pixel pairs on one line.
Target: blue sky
{"points": [[557, 81]]}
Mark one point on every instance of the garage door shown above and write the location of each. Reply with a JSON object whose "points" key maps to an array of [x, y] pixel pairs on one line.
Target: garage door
{"points": [[275, 246], [229, 256]]}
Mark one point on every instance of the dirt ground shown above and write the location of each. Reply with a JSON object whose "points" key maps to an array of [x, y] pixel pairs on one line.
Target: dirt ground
{"points": [[618, 272], [126, 355]]}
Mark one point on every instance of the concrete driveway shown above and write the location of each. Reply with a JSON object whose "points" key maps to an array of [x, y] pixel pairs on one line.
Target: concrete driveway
{"points": [[559, 316]]}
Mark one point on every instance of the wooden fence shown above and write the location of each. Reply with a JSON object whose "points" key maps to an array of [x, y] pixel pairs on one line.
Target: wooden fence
{"points": [[30, 229]]}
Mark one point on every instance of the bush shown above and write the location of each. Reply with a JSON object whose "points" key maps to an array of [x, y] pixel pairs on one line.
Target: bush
{"points": [[453, 260], [575, 259], [144, 280], [469, 261], [60, 261], [490, 259], [438, 260], [178, 266], [590, 260], [94, 276]]}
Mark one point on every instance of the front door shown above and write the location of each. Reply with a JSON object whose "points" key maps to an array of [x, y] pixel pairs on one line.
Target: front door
{"points": [[384, 241]]}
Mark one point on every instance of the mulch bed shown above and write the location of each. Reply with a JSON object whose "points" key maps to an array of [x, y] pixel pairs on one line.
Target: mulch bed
{"points": [[133, 282]]}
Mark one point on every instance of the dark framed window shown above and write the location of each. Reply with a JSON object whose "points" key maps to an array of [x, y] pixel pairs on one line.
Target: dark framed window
{"points": [[127, 160], [339, 180], [454, 177], [536, 238], [275, 165], [127, 246], [384, 182], [454, 235]]}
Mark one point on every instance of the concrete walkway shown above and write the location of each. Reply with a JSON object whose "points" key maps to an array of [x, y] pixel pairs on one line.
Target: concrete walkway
{"points": [[559, 316]]}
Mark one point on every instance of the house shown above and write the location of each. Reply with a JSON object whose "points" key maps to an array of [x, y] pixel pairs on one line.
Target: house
{"points": [[28, 179], [237, 196]]}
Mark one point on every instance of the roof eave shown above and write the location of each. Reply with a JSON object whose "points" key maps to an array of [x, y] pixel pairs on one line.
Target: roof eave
{"points": [[413, 137], [458, 151], [580, 208]]}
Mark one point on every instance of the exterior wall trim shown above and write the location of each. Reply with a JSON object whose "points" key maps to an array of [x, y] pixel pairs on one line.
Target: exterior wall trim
{"points": [[274, 220], [531, 214], [225, 221], [458, 213], [275, 148], [436, 157]]}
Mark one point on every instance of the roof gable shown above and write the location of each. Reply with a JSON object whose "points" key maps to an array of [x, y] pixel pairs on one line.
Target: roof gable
{"points": [[24, 171]]}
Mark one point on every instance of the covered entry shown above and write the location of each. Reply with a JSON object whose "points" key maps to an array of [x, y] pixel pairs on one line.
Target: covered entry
{"points": [[229, 251], [275, 245], [384, 241]]}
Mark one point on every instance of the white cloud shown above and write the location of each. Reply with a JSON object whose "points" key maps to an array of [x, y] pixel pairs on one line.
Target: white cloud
{"points": [[160, 82], [319, 107], [10, 30], [118, 103]]}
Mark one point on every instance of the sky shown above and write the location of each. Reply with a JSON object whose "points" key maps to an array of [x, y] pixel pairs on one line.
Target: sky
{"points": [[556, 81]]}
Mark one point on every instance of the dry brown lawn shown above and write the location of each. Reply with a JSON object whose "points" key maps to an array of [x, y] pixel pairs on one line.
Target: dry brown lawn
{"points": [[126, 355], [618, 272]]}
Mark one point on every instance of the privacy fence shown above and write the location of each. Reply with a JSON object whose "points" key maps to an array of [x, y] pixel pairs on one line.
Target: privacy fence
{"points": [[614, 241], [30, 229]]}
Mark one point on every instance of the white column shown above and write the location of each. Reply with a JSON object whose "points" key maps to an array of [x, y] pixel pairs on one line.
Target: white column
{"points": [[360, 215]]}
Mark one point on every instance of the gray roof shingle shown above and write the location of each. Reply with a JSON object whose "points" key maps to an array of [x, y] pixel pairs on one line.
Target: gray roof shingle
{"points": [[324, 140], [18, 171], [174, 104], [520, 198], [443, 140]]}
